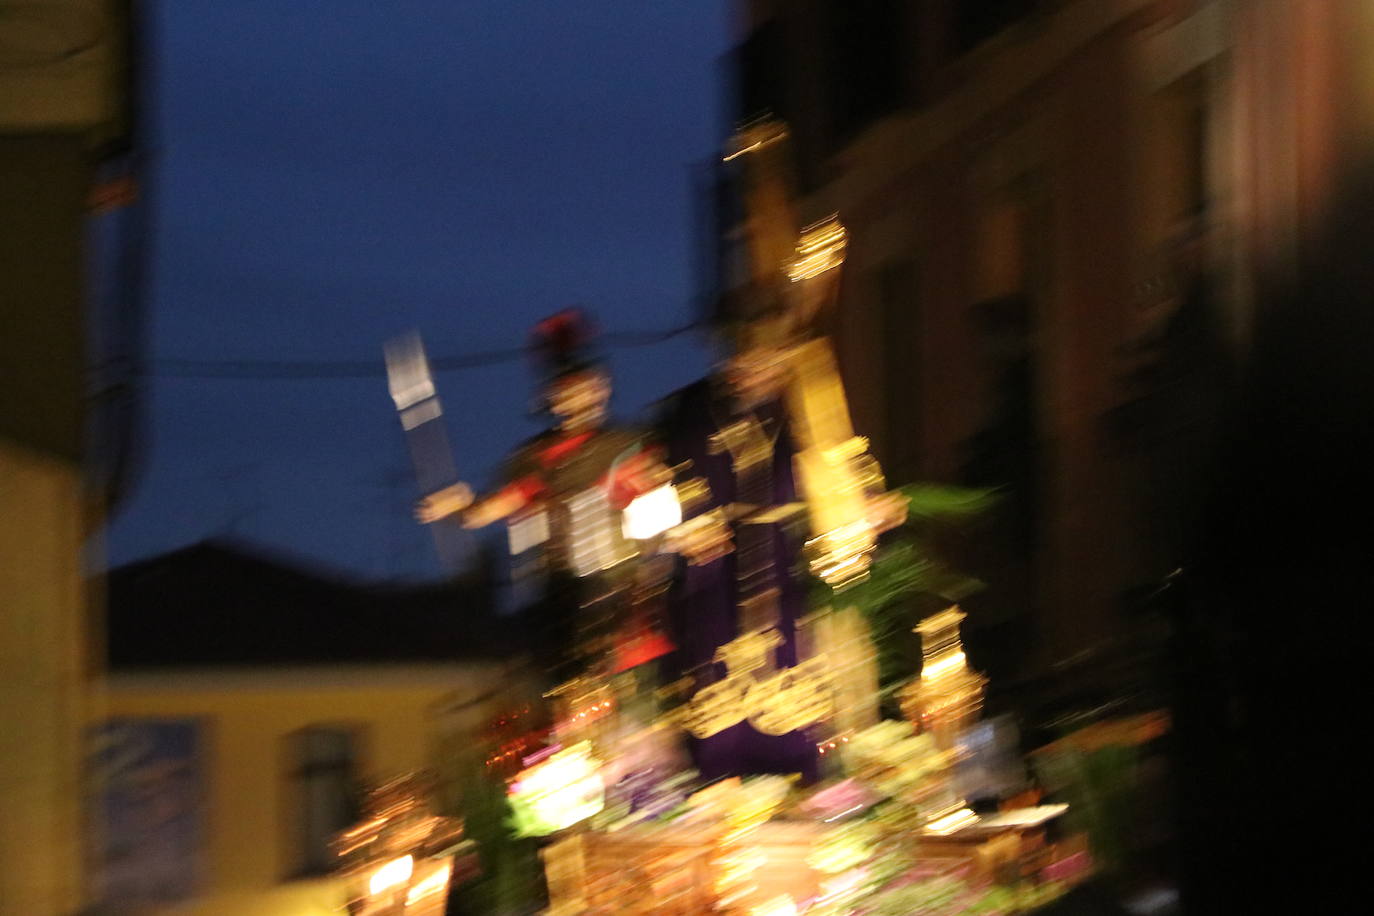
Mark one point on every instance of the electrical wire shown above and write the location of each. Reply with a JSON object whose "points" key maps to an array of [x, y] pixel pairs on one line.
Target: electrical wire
{"points": [[289, 369]]}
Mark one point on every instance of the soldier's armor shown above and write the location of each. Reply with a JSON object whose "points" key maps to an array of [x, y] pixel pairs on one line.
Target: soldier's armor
{"points": [[574, 519]]}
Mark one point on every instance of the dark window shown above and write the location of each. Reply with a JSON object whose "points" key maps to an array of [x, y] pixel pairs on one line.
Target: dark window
{"points": [[975, 21], [868, 52], [1195, 137], [901, 369], [323, 796], [761, 71], [1006, 452], [151, 848]]}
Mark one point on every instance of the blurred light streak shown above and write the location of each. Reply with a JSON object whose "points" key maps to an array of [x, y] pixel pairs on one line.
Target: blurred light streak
{"points": [[393, 873]]}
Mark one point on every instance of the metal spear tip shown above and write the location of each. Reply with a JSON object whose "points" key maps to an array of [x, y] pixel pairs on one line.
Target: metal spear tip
{"points": [[407, 370]]}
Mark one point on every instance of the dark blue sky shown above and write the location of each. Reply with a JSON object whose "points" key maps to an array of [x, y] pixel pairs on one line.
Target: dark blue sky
{"points": [[333, 173]]}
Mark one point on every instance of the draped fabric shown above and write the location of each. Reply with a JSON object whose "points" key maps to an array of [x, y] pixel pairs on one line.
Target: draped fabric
{"points": [[704, 601]]}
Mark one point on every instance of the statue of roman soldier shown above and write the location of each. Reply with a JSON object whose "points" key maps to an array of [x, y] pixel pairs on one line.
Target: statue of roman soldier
{"points": [[562, 495]]}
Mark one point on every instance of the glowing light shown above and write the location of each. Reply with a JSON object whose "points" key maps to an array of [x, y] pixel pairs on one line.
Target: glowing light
{"points": [[951, 662], [779, 906], [392, 874], [842, 849], [436, 882], [652, 513], [581, 705], [755, 138], [558, 792], [841, 555], [745, 151], [1023, 817], [820, 249], [743, 807], [843, 887], [952, 823], [948, 694], [847, 811], [735, 873], [836, 474]]}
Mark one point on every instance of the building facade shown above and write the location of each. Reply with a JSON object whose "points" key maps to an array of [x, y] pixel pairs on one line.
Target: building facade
{"points": [[222, 789], [247, 705], [63, 98], [1065, 218]]}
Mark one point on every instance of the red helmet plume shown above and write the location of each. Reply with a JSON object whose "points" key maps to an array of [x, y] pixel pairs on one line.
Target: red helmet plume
{"points": [[561, 343]]}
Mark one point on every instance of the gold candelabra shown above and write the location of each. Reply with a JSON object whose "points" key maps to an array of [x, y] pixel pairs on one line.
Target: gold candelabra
{"points": [[948, 696]]}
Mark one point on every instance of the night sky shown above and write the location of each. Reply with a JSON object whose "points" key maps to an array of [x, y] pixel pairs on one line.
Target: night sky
{"points": [[332, 174]]}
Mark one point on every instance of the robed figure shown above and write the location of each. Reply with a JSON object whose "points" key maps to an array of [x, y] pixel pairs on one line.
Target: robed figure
{"points": [[750, 581], [787, 498]]}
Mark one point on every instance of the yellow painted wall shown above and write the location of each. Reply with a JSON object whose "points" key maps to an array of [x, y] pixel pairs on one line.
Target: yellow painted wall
{"points": [[44, 680], [249, 854]]}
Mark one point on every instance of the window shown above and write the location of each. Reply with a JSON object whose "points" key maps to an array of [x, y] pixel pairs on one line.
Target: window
{"points": [[761, 72], [1013, 264], [1188, 117], [901, 369], [1174, 157], [151, 846], [868, 44], [323, 796]]}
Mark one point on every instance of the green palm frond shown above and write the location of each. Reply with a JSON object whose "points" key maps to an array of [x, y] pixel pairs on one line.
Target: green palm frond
{"points": [[933, 502], [907, 575]]}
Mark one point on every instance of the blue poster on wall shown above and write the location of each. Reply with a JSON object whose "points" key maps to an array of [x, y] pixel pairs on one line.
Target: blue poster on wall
{"points": [[149, 776]]}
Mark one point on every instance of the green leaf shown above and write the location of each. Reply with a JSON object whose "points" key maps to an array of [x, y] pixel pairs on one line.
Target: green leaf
{"points": [[906, 569], [941, 502]]}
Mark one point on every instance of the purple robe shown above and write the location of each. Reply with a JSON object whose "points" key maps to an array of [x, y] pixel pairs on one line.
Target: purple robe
{"points": [[704, 600]]}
